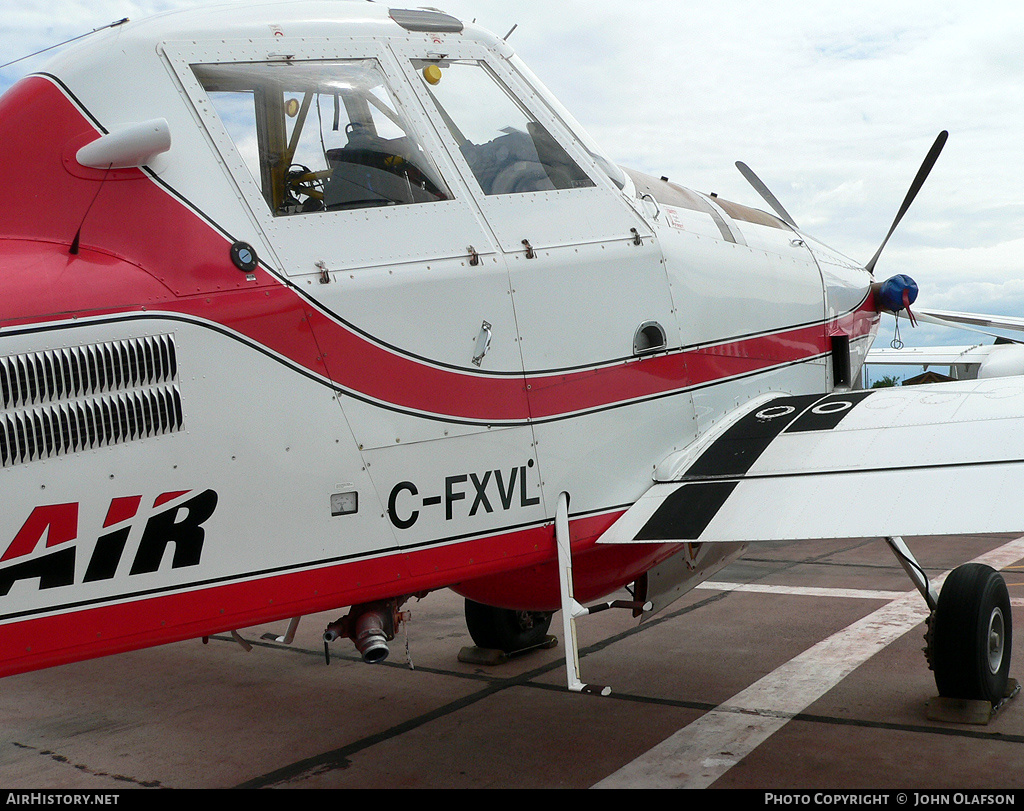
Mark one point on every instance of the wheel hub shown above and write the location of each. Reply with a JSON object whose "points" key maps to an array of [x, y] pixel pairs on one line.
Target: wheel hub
{"points": [[996, 637], [525, 620]]}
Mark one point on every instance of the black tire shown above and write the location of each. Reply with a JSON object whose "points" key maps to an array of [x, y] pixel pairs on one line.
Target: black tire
{"points": [[972, 635], [504, 629]]}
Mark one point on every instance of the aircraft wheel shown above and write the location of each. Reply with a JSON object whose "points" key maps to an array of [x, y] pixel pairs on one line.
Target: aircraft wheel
{"points": [[505, 629], [972, 634]]}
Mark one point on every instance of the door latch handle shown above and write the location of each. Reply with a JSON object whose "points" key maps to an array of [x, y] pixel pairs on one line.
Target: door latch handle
{"points": [[483, 343]]}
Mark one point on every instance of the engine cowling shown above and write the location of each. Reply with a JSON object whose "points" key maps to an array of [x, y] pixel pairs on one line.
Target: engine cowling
{"points": [[1004, 361]]}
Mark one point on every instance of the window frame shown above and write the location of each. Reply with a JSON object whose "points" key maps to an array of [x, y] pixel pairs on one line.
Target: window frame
{"points": [[502, 91], [550, 218], [276, 100], [344, 239]]}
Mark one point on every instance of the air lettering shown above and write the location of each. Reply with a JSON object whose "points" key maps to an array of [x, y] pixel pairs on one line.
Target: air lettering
{"points": [[58, 522], [179, 527]]}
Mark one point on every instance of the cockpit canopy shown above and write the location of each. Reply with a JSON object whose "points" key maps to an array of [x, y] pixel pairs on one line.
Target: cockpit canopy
{"points": [[324, 135], [329, 135]]}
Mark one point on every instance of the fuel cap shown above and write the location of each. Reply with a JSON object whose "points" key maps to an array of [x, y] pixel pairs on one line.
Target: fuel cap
{"points": [[244, 257]]}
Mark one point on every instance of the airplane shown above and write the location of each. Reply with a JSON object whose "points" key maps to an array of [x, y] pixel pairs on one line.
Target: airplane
{"points": [[317, 308], [1002, 358]]}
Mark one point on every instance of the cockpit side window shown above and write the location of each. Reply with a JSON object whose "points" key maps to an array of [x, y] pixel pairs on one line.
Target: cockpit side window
{"points": [[507, 149], [321, 136]]}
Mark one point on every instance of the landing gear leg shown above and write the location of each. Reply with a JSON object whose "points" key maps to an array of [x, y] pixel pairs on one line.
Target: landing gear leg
{"points": [[914, 570], [572, 610], [970, 633]]}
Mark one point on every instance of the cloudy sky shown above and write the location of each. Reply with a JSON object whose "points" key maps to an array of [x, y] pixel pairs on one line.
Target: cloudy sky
{"points": [[834, 105]]}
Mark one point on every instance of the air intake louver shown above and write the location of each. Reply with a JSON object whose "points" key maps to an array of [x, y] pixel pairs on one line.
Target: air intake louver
{"points": [[65, 400]]}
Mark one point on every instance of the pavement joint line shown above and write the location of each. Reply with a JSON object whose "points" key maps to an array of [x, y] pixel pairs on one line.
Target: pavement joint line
{"points": [[703, 751], [338, 758]]}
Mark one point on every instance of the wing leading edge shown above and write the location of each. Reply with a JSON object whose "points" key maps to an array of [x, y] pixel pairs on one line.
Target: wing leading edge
{"points": [[944, 459]]}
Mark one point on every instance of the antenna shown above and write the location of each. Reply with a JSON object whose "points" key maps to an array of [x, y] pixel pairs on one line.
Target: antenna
{"points": [[122, 21]]}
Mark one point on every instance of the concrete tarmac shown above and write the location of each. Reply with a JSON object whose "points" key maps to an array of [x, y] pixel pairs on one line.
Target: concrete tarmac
{"points": [[809, 677]]}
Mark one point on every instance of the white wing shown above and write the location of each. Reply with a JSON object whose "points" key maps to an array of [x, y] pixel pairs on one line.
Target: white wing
{"points": [[932, 355], [922, 460]]}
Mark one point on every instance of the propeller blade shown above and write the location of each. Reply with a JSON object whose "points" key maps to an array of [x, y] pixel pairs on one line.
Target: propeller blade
{"points": [[915, 187], [762, 189]]}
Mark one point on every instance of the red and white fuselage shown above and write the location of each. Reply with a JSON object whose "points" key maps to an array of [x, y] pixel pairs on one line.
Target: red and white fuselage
{"points": [[392, 397]]}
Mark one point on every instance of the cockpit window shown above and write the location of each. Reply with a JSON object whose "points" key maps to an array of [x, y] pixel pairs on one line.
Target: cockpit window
{"points": [[506, 148], [321, 136]]}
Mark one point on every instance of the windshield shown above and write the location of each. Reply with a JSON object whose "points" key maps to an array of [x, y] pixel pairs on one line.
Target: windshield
{"points": [[321, 136], [507, 149]]}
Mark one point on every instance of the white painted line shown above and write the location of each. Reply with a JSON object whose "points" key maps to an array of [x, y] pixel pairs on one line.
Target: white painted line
{"points": [[814, 591], [700, 753], [809, 591]]}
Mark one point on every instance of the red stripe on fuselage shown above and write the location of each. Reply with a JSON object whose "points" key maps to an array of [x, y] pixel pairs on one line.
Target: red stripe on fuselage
{"points": [[77, 634], [144, 249]]}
